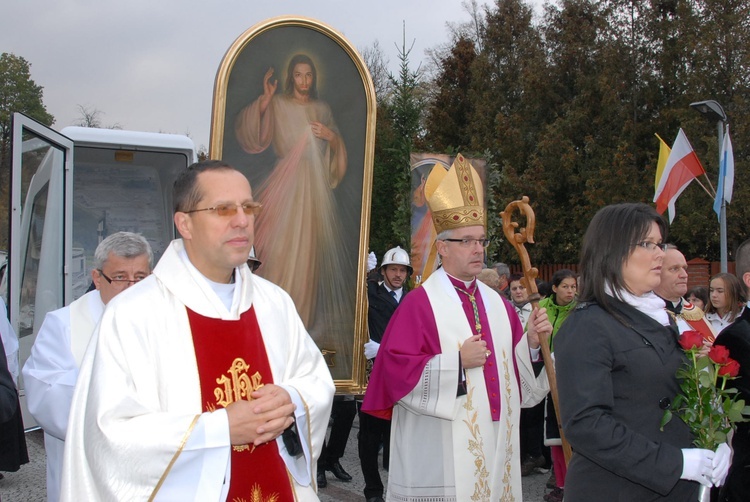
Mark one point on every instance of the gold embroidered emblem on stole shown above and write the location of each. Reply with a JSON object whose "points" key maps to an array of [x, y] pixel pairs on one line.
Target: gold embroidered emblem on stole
{"points": [[257, 496], [237, 386], [507, 476], [476, 448]]}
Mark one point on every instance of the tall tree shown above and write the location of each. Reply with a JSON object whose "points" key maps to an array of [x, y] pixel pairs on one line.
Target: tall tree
{"points": [[510, 90], [377, 64], [400, 103], [510, 61], [18, 93], [450, 112], [381, 236], [385, 165], [405, 109]]}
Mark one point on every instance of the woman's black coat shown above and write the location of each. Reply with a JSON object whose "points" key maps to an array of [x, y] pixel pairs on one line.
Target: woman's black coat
{"points": [[615, 379]]}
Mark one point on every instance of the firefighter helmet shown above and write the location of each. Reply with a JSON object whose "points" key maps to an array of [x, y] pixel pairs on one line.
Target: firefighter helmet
{"points": [[397, 256]]}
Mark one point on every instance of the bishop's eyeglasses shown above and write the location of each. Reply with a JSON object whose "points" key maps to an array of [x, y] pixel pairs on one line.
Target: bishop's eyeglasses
{"points": [[469, 242]]}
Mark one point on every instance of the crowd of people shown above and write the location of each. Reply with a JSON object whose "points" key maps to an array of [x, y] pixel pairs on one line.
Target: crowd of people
{"points": [[615, 349], [195, 379]]}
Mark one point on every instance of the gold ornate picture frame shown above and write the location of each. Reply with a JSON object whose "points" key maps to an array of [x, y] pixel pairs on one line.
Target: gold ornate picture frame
{"points": [[294, 109]]}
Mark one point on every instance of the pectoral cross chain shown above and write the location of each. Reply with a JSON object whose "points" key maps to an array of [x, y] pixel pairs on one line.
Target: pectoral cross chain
{"points": [[474, 307]]}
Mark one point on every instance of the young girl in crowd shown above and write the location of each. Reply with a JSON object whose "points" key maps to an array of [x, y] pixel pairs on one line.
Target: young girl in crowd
{"points": [[726, 301]]}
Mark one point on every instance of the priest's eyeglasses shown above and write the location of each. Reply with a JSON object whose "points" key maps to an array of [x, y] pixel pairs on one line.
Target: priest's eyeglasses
{"points": [[470, 242], [120, 281], [249, 208], [652, 246]]}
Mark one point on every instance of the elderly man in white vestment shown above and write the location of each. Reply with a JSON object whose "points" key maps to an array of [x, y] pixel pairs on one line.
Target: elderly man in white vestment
{"points": [[201, 382], [51, 371], [454, 366]]}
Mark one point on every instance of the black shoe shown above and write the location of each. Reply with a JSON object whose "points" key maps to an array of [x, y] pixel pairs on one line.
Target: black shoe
{"points": [[375, 499], [555, 495], [322, 481], [531, 464], [339, 471]]}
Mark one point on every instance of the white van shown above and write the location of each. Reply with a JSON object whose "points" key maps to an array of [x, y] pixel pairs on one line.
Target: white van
{"points": [[69, 191]]}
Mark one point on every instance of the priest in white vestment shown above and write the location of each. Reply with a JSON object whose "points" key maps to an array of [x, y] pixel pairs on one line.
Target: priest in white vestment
{"points": [[454, 366], [153, 418], [51, 371]]}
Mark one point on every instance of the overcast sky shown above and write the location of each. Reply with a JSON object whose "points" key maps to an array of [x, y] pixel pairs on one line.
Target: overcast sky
{"points": [[149, 65]]}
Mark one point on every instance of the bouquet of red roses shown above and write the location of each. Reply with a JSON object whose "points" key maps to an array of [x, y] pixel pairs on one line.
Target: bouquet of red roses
{"points": [[706, 405]]}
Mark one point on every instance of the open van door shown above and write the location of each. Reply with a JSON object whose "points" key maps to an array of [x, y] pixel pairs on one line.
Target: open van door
{"points": [[40, 235], [62, 208]]}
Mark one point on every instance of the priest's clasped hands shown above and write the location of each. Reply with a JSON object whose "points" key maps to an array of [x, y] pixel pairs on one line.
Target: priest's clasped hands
{"points": [[263, 419]]}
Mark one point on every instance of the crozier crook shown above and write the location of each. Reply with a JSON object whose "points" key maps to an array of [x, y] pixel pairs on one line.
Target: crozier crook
{"points": [[518, 239]]}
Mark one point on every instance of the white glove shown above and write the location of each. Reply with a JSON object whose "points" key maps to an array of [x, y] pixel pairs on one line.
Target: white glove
{"points": [[372, 261], [720, 464], [371, 349], [697, 465]]}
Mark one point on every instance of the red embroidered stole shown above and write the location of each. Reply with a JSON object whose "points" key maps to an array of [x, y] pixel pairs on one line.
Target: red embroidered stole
{"points": [[232, 363]]}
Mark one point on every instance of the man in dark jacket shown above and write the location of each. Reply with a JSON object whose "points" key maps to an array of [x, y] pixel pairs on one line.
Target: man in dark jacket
{"points": [[383, 299], [736, 338]]}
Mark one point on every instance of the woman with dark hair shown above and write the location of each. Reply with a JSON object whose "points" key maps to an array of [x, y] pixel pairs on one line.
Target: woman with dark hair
{"points": [[616, 358], [726, 301], [698, 296], [558, 304]]}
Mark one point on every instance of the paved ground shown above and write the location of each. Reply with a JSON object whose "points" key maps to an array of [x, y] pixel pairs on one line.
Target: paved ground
{"points": [[28, 484]]}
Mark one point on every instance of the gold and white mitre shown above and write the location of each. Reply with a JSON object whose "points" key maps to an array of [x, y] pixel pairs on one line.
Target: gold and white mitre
{"points": [[456, 196]]}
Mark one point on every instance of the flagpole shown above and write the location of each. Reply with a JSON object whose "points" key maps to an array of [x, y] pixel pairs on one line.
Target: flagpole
{"points": [[710, 195], [713, 110], [723, 214], [711, 185]]}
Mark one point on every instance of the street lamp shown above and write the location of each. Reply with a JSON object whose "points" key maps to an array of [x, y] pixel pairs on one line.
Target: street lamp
{"points": [[712, 110]]}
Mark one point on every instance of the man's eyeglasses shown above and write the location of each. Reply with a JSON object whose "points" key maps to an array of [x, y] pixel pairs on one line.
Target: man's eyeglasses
{"points": [[249, 208], [469, 242], [652, 246], [118, 281]]}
